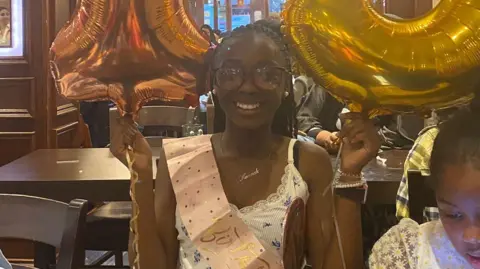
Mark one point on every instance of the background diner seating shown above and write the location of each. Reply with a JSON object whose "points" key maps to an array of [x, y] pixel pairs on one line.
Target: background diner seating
{"points": [[51, 224], [419, 196], [167, 120]]}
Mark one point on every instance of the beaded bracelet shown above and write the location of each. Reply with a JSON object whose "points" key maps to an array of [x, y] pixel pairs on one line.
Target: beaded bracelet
{"points": [[340, 173], [355, 190], [345, 185]]}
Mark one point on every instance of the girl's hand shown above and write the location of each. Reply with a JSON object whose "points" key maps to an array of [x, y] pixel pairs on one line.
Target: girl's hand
{"points": [[128, 135], [361, 142]]}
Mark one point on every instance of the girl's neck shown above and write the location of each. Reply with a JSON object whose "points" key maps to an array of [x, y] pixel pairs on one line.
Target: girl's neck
{"points": [[241, 142]]}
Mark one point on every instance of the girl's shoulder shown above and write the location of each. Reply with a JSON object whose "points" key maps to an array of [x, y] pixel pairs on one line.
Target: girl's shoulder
{"points": [[314, 164]]}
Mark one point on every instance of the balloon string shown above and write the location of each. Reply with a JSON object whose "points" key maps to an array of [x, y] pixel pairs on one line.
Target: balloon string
{"points": [[335, 220], [133, 194]]}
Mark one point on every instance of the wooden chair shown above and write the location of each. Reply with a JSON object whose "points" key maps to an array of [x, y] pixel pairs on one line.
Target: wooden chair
{"points": [[168, 120], [210, 118], [419, 196], [51, 224]]}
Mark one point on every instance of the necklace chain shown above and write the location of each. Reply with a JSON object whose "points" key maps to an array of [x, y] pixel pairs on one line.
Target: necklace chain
{"points": [[246, 176]]}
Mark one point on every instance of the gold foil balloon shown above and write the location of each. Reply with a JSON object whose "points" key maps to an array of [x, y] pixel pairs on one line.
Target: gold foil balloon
{"points": [[381, 64]]}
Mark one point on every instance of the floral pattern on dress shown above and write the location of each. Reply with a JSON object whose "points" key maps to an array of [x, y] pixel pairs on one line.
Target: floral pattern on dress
{"points": [[412, 246], [265, 219], [276, 244]]}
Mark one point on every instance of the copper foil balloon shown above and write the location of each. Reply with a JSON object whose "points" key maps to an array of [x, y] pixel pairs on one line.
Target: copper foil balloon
{"points": [[381, 64], [105, 53]]}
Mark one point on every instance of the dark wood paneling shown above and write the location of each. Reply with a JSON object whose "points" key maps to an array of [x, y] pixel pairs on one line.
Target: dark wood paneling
{"points": [[32, 115], [15, 145], [66, 126], [422, 7], [22, 89], [18, 93]]}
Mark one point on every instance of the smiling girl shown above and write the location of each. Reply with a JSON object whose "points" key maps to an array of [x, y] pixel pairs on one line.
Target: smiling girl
{"points": [[229, 197]]}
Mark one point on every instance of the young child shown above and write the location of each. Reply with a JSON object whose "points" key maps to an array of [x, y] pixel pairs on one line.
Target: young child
{"points": [[454, 240]]}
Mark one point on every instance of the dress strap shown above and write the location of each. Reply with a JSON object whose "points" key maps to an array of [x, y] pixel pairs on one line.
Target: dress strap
{"points": [[291, 155]]}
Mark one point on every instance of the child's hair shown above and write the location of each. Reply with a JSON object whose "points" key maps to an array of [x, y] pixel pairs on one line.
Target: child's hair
{"points": [[457, 143], [284, 122]]}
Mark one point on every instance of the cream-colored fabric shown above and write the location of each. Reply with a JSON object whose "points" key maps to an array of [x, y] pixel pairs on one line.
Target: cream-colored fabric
{"points": [[412, 246], [265, 218]]}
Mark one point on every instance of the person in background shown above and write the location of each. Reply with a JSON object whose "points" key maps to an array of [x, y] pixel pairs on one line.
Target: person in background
{"points": [[5, 39], [418, 159], [453, 241], [96, 116], [318, 118], [218, 35], [209, 34]]}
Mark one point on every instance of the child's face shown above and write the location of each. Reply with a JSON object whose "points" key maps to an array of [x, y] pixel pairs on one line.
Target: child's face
{"points": [[458, 198]]}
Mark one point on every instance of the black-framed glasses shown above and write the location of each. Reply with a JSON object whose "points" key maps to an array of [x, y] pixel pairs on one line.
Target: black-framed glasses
{"points": [[265, 77]]}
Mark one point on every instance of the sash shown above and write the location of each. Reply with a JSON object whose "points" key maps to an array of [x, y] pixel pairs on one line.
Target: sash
{"points": [[222, 238]]}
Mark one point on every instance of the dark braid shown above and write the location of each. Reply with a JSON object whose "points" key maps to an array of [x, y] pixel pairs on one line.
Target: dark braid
{"points": [[284, 122]]}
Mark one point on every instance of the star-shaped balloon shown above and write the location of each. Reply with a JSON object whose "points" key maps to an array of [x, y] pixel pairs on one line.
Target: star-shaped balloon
{"points": [[129, 52]]}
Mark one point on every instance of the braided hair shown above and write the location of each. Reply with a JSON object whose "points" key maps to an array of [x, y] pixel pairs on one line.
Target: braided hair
{"points": [[284, 122]]}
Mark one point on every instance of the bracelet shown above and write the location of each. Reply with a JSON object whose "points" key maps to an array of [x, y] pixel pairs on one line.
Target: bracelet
{"points": [[344, 185], [343, 174]]}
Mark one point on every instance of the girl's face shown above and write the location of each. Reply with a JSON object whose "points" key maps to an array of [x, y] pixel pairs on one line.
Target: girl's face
{"points": [[250, 76], [458, 198]]}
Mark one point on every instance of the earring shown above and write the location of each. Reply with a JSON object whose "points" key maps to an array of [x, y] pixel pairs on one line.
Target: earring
{"points": [[286, 94]]}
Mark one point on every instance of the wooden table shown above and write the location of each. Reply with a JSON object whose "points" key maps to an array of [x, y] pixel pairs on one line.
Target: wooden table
{"points": [[96, 175], [384, 178], [65, 174]]}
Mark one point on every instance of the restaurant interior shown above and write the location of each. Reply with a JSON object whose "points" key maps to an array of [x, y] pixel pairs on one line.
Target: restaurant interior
{"points": [[66, 199]]}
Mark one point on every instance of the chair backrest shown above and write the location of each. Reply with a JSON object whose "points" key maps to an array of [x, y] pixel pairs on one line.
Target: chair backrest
{"points": [[53, 223], [419, 195], [210, 118], [169, 118]]}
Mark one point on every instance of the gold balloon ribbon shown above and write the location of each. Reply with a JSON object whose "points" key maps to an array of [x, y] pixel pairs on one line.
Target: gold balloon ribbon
{"points": [[385, 64], [135, 208]]}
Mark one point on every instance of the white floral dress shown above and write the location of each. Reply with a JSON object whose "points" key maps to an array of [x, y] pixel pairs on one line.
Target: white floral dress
{"points": [[412, 246], [265, 218]]}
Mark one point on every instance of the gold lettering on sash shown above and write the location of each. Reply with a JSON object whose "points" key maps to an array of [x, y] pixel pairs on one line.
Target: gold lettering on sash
{"points": [[226, 238], [244, 261]]}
